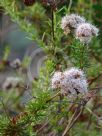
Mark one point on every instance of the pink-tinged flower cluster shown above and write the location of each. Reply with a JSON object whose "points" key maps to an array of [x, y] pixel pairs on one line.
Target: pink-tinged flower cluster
{"points": [[71, 82], [56, 79], [12, 82], [70, 22], [85, 32], [79, 27], [16, 63]]}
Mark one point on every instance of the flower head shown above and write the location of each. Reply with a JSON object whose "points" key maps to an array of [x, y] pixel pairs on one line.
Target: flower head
{"points": [[74, 73], [12, 82], [16, 63], [72, 82], [56, 80], [70, 22], [85, 32]]}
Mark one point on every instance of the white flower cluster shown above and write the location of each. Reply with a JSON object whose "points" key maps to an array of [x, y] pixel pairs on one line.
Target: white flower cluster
{"points": [[12, 82], [16, 63], [56, 80], [70, 22], [71, 81], [83, 31]]}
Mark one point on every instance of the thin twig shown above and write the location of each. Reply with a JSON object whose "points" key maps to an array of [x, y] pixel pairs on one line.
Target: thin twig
{"points": [[94, 79], [71, 120], [89, 110], [69, 6], [74, 121], [75, 116], [96, 88], [39, 130], [96, 57], [90, 117], [57, 94], [52, 18]]}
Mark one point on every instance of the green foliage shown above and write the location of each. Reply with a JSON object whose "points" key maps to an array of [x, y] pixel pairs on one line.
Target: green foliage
{"points": [[81, 127], [6, 53], [47, 106], [79, 55]]}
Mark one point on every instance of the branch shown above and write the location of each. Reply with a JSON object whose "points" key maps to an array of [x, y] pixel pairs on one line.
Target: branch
{"points": [[72, 120], [70, 4], [94, 79], [53, 97]]}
